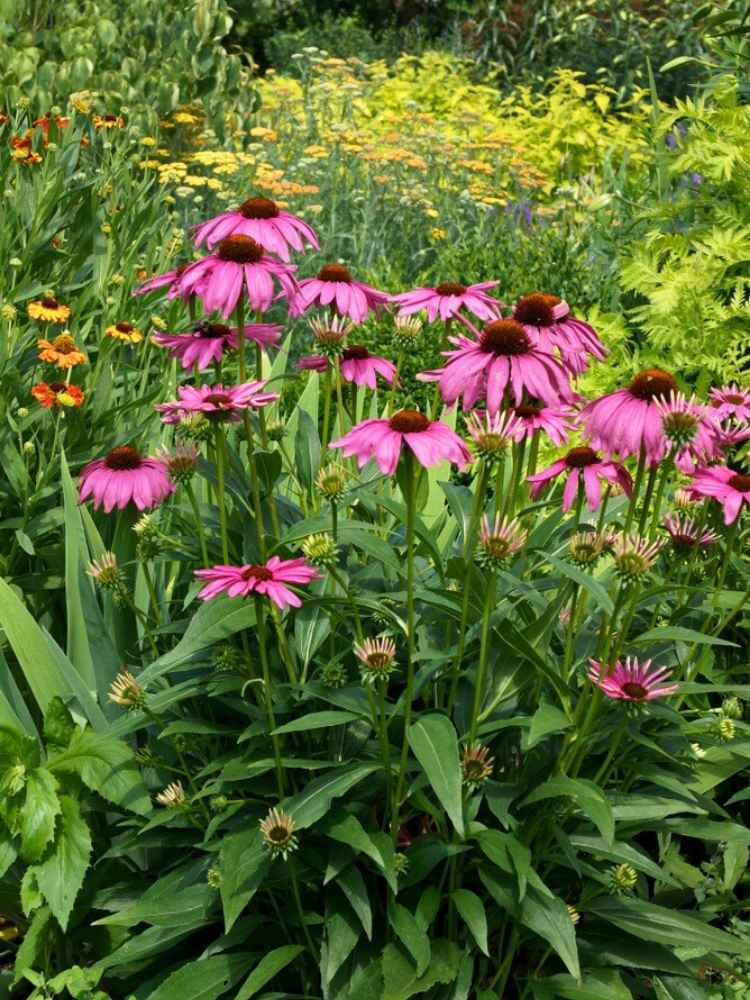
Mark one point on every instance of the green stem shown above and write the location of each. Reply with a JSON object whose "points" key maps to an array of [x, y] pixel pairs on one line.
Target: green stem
{"points": [[260, 626], [664, 479], [603, 771], [636, 489], [484, 649], [220, 492], [327, 408], [152, 593], [653, 472], [300, 911], [198, 522]]}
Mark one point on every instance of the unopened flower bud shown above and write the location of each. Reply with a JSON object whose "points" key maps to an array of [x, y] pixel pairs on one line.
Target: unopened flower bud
{"points": [[172, 796], [320, 549], [126, 691], [623, 878], [732, 708], [331, 481], [334, 675], [476, 764]]}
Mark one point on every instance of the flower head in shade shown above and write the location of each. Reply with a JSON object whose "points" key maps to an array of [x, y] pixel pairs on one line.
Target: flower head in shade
{"points": [[278, 833], [586, 547], [330, 334], [378, 658], [501, 359], [126, 691], [731, 489], [57, 394], [216, 402], [499, 540], [476, 764], [263, 221], [634, 556], [172, 796], [239, 266], [207, 342], [582, 467], [631, 680], [269, 580], [445, 301], [490, 435], [361, 367], [106, 572], [730, 401], [555, 421], [622, 879], [169, 279], [62, 351], [680, 418], [628, 419], [124, 476], [180, 461], [685, 533], [331, 481], [335, 286], [48, 310], [429, 440], [125, 332], [547, 320], [312, 363]]}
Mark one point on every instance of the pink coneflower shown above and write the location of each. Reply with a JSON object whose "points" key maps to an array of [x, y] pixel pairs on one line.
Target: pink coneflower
{"points": [[429, 440], [631, 680], [448, 299], [170, 280], [335, 286], [730, 488], [263, 221], [633, 556], [330, 333], [686, 534], [313, 363], [731, 434], [122, 476], [269, 580], [555, 421], [628, 419], [207, 342], [582, 465], [547, 320], [501, 358], [215, 402], [238, 262], [730, 401], [499, 539], [361, 367], [490, 434]]}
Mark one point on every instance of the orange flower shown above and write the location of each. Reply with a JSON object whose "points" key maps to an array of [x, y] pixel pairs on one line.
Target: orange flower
{"points": [[60, 121], [48, 310], [57, 394], [108, 121], [62, 351]]}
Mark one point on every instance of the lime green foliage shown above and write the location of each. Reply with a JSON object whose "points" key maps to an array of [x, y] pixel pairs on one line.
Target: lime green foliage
{"points": [[691, 264]]}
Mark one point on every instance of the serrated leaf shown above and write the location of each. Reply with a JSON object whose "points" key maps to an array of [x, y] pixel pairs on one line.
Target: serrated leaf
{"points": [[36, 817], [60, 875], [399, 975], [434, 743], [471, 910], [105, 765], [33, 944]]}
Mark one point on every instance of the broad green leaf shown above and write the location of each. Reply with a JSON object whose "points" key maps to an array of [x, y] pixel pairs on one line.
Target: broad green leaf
{"points": [[342, 932], [306, 450], [411, 935], [550, 919], [596, 985], [673, 988], [268, 967], [588, 796], [314, 801], [471, 910], [621, 853], [36, 819], [675, 633], [143, 946], [735, 863], [34, 942], [317, 720], [244, 865], [76, 559], [203, 979], [666, 926], [60, 875], [353, 886], [434, 743], [606, 948], [189, 906], [597, 591], [348, 830], [399, 974], [13, 709], [8, 853], [106, 766], [546, 720]]}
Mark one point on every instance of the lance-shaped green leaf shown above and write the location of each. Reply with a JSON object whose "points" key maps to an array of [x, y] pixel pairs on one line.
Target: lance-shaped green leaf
{"points": [[434, 743]]}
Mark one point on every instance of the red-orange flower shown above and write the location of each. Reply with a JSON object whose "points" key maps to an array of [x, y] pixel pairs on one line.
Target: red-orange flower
{"points": [[57, 394]]}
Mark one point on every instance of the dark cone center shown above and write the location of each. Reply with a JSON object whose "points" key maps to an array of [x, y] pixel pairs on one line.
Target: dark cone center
{"points": [[124, 327], [240, 250], [579, 458], [257, 573], [58, 386], [527, 410], [355, 353], [123, 458], [221, 400], [334, 272], [450, 288], [634, 690], [211, 330], [651, 384], [50, 303], [536, 309], [740, 482], [409, 422], [259, 208], [504, 337]]}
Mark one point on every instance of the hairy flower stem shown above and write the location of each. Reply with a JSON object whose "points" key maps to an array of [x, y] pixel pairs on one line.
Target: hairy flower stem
{"points": [[300, 911], [484, 650], [260, 627], [151, 593], [198, 523], [636, 489], [663, 480], [326, 408], [469, 543], [411, 516], [653, 472], [219, 457]]}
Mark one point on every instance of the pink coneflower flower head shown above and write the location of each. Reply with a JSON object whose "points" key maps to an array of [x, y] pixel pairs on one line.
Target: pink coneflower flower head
{"points": [[490, 434], [628, 419], [334, 286], [215, 402], [730, 488], [429, 440], [170, 279], [684, 499], [330, 333], [634, 556], [207, 342], [501, 359], [378, 658], [685, 533], [499, 540], [729, 435], [238, 266], [313, 363], [730, 401], [269, 579], [680, 417], [124, 476], [582, 467], [547, 320], [556, 422], [361, 367], [446, 300], [263, 221], [631, 680]]}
